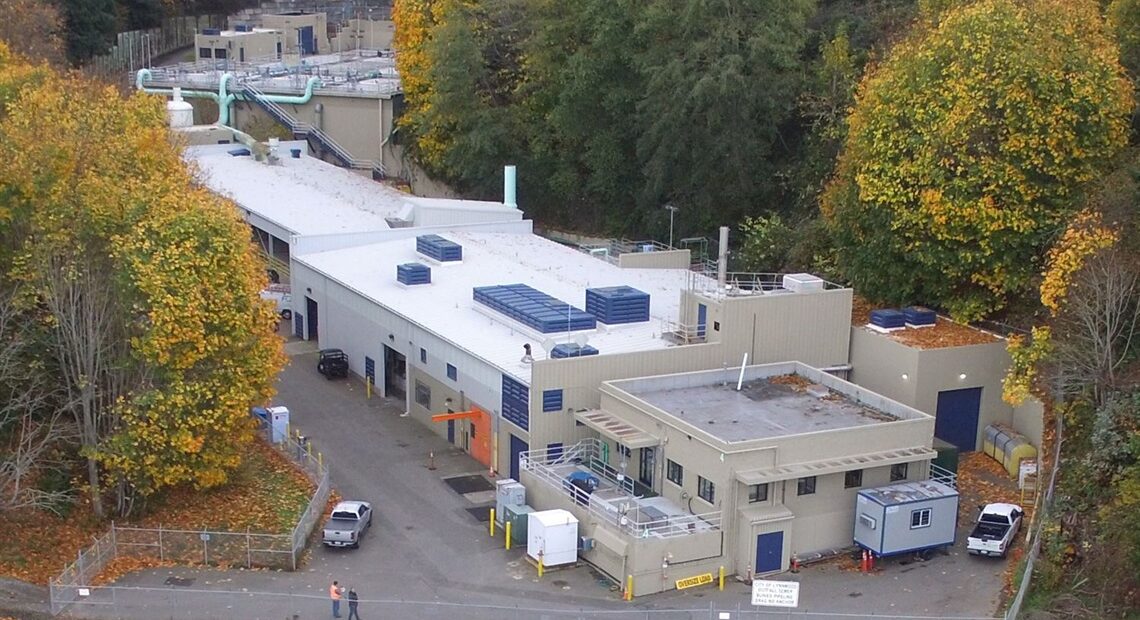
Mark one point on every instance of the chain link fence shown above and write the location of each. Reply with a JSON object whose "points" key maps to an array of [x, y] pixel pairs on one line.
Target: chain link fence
{"points": [[198, 547]]}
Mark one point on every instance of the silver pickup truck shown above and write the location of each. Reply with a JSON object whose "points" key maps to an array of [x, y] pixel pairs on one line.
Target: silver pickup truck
{"points": [[347, 524]]}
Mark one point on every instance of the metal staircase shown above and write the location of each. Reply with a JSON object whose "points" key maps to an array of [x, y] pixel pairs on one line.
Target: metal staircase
{"points": [[318, 140]]}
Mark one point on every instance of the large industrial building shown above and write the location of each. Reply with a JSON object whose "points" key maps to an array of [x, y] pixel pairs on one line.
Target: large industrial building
{"points": [[729, 419]]}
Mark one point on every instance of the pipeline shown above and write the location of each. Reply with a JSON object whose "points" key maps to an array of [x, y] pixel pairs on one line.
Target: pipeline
{"points": [[224, 98]]}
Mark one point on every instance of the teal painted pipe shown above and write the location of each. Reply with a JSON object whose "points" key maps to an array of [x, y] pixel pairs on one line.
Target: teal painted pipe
{"points": [[218, 97], [295, 99]]}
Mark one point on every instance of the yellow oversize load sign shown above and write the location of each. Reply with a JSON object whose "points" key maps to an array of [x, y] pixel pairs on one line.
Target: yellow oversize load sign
{"points": [[695, 580]]}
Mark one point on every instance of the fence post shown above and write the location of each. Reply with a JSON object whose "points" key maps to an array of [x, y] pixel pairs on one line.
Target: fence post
{"points": [[248, 550]]}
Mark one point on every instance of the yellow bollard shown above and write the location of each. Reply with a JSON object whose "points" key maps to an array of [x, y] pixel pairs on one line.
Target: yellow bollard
{"points": [[629, 588], [368, 387], [492, 523], [507, 534], [540, 565], [320, 460], [721, 578]]}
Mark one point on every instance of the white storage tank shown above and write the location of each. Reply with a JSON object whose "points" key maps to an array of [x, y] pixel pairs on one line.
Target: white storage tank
{"points": [[179, 112], [553, 535]]}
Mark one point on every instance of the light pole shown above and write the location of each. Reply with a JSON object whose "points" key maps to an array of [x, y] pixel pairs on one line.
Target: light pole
{"points": [[672, 209]]}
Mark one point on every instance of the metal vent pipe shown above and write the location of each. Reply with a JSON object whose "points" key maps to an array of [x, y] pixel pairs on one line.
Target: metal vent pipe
{"points": [[722, 259]]}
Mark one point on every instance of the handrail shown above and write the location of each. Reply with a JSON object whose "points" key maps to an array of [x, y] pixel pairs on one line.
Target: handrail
{"points": [[305, 129], [625, 514]]}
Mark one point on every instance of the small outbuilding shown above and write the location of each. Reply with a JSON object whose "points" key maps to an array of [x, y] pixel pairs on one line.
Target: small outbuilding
{"points": [[906, 518]]}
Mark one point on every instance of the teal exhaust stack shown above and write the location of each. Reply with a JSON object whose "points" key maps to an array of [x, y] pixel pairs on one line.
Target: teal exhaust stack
{"points": [[509, 187]]}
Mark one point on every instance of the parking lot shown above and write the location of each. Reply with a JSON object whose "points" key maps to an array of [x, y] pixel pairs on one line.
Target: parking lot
{"points": [[426, 549]]}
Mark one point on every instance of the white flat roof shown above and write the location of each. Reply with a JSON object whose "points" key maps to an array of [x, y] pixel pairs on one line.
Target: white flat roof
{"points": [[446, 306], [305, 196]]}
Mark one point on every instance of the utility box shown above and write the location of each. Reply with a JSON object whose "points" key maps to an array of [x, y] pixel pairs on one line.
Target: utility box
{"points": [[552, 535], [518, 517], [508, 492], [274, 421], [908, 517]]}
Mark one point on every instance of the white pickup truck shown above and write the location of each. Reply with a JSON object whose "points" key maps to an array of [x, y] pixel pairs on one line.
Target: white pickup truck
{"points": [[995, 530]]}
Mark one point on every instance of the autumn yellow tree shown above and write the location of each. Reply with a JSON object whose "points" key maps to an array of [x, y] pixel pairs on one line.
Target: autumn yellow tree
{"points": [[966, 150], [415, 22], [143, 285]]}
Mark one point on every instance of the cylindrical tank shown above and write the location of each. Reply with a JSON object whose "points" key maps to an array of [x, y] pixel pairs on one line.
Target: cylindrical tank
{"points": [[179, 112]]}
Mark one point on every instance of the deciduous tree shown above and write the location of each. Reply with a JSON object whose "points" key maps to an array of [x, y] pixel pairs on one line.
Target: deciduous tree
{"points": [[966, 148]]}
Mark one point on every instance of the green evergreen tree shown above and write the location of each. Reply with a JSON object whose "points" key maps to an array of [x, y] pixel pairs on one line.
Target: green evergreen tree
{"points": [[90, 28]]}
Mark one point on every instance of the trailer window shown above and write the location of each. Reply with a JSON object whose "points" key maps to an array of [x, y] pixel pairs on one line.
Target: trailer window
{"points": [[919, 518]]}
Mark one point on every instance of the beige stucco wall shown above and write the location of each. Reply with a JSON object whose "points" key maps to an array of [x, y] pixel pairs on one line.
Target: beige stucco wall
{"points": [[665, 259], [879, 363], [364, 34], [257, 45], [359, 124], [812, 328], [290, 24]]}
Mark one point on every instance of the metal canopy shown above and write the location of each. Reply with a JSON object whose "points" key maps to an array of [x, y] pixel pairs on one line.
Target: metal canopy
{"points": [[613, 427], [831, 466]]}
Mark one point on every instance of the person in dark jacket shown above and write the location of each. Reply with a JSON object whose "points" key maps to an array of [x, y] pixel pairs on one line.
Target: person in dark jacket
{"points": [[353, 601]]}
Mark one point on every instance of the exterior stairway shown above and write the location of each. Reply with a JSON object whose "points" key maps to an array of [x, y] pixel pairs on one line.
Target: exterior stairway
{"points": [[318, 140]]}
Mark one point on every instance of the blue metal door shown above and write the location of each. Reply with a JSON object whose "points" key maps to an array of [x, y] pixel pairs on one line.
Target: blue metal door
{"points": [[956, 420], [306, 40], [702, 320], [298, 325], [518, 446], [769, 552], [370, 370], [553, 452], [451, 431]]}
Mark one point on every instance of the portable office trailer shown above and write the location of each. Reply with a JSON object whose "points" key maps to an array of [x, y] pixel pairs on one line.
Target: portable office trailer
{"points": [[906, 517]]}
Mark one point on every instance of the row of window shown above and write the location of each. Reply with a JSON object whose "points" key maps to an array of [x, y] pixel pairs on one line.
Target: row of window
{"points": [[452, 371], [706, 490]]}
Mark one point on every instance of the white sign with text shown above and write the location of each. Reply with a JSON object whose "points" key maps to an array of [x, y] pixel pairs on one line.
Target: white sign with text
{"points": [[776, 593]]}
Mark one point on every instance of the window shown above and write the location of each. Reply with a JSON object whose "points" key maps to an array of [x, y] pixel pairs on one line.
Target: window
{"points": [[552, 400], [919, 518], [716, 326], [757, 493], [219, 53], [806, 486], [554, 452], [205, 52], [423, 395], [623, 450], [898, 472], [853, 478], [423, 356], [452, 372], [674, 472], [706, 490]]}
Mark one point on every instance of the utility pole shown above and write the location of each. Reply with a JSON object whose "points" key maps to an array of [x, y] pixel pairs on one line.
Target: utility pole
{"points": [[672, 210]]}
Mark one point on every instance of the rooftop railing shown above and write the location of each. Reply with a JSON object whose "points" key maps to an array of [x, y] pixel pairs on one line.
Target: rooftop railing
{"points": [[622, 511]]}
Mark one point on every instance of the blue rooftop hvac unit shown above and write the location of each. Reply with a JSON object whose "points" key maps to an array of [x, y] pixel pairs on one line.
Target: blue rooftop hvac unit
{"points": [[917, 316], [888, 318], [534, 309], [570, 349], [411, 274], [211, 32], [438, 248], [614, 305]]}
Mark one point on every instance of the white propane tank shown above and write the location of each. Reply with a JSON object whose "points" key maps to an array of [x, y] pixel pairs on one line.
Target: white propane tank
{"points": [[179, 112]]}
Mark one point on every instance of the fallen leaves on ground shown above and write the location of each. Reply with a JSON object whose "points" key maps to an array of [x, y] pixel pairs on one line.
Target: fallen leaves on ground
{"points": [[266, 495]]}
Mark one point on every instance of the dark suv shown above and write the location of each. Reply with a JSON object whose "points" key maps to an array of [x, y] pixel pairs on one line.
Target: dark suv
{"points": [[333, 364]]}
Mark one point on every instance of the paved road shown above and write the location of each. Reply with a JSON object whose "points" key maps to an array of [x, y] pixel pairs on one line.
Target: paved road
{"points": [[425, 552]]}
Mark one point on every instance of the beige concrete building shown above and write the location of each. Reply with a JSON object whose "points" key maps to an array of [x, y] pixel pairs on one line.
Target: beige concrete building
{"points": [[372, 34], [304, 33], [244, 45], [737, 468]]}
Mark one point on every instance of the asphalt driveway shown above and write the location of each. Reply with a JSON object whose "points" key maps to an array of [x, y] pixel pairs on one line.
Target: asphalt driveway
{"points": [[426, 547]]}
